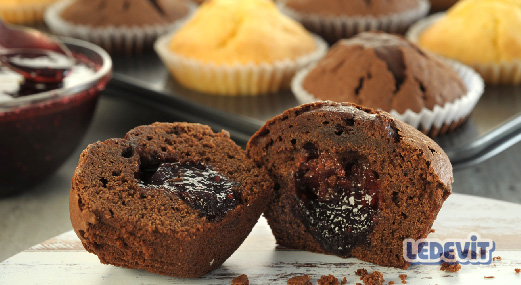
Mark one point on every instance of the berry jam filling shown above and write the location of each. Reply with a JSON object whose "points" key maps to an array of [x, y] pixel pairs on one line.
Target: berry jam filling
{"points": [[198, 185], [337, 199]]}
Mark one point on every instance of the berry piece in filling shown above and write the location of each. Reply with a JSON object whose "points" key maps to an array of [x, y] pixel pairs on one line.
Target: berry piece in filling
{"points": [[337, 198], [198, 185]]}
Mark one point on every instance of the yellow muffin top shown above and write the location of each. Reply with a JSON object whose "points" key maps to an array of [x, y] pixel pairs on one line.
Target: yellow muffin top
{"points": [[241, 31], [477, 31], [23, 2]]}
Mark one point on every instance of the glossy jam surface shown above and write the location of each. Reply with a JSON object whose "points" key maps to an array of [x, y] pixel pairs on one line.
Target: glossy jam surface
{"points": [[337, 198], [198, 185], [48, 71], [38, 65]]}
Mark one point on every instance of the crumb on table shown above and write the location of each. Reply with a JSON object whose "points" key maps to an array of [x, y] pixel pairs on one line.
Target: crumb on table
{"points": [[450, 267], [375, 278], [241, 280], [300, 280], [402, 277], [518, 270], [361, 272], [496, 258], [328, 280]]}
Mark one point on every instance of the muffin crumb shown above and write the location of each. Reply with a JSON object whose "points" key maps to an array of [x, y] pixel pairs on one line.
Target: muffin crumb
{"points": [[402, 277], [488, 277], [450, 267], [496, 258], [518, 270], [361, 272], [328, 280], [241, 280], [300, 280], [375, 278]]}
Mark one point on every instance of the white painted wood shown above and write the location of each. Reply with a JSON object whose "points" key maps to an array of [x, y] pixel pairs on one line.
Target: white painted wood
{"points": [[62, 260]]}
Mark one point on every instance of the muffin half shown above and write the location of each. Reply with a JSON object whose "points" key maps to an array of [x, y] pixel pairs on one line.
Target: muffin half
{"points": [[350, 181], [175, 199]]}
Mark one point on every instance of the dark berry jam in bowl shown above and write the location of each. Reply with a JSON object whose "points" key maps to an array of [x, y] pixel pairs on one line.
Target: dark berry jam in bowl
{"points": [[41, 124]]}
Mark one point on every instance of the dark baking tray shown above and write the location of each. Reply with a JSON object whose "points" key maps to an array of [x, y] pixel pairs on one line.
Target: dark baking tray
{"points": [[494, 125]]}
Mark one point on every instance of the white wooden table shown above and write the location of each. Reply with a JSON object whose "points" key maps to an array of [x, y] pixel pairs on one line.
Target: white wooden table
{"points": [[62, 259]]}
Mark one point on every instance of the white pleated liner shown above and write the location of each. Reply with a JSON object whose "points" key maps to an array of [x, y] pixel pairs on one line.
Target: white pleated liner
{"points": [[492, 73], [346, 26], [128, 40], [426, 118], [237, 79]]}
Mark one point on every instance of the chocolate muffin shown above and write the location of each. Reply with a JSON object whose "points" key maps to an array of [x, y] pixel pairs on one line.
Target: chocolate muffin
{"points": [[102, 13], [170, 198], [338, 19], [351, 8], [387, 72], [440, 5], [118, 26], [350, 181]]}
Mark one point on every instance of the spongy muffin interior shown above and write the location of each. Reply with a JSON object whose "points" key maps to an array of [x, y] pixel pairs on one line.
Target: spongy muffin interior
{"points": [[396, 180], [128, 224]]}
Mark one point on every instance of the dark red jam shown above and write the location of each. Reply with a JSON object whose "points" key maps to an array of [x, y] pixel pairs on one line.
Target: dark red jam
{"points": [[38, 65], [39, 136], [198, 185], [337, 199]]}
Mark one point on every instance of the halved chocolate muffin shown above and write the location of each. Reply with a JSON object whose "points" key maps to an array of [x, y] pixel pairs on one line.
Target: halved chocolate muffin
{"points": [[350, 181], [171, 198]]}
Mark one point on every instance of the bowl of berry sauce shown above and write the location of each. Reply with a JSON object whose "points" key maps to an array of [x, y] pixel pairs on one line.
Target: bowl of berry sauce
{"points": [[42, 123]]}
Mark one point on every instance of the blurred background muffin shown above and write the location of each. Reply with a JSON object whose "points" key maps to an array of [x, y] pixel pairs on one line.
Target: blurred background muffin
{"points": [[387, 72], [117, 25], [23, 12], [439, 5], [483, 34], [234, 47], [337, 19]]}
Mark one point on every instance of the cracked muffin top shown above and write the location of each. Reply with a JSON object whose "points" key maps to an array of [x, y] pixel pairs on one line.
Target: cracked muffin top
{"points": [[241, 31], [383, 71], [352, 7], [101, 13]]}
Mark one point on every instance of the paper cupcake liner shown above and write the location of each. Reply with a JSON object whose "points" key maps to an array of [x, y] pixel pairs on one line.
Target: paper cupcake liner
{"points": [[238, 79], [127, 40], [335, 28], [503, 73], [440, 119], [23, 13]]}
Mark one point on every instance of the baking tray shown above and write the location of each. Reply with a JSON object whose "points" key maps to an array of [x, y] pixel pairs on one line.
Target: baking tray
{"points": [[494, 125]]}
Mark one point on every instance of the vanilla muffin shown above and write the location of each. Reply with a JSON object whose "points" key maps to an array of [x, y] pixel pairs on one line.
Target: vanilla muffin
{"points": [[337, 19], [238, 47], [23, 11], [481, 33], [119, 26]]}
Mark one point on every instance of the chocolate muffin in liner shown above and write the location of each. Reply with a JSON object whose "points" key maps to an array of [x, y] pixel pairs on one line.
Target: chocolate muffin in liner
{"points": [[386, 72]]}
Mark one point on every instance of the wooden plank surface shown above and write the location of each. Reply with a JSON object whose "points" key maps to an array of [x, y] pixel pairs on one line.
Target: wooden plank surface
{"points": [[62, 259]]}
